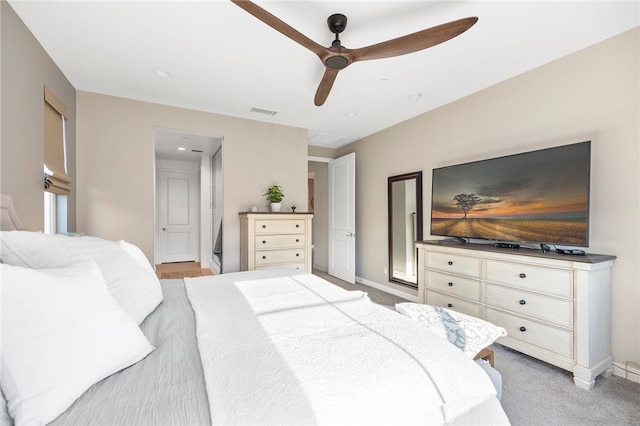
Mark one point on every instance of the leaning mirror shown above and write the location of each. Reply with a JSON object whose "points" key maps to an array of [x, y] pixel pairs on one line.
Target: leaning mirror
{"points": [[404, 195]]}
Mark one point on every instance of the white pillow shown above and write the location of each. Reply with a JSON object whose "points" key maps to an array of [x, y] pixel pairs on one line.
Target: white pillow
{"points": [[5, 418], [34, 250], [133, 287], [137, 254], [468, 333], [61, 333]]}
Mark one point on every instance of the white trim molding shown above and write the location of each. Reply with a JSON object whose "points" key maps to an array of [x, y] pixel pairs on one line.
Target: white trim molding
{"points": [[318, 159], [629, 371], [387, 289]]}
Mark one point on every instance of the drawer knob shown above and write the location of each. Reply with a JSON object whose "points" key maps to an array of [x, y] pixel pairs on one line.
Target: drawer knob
{"points": [[264, 257], [297, 254], [523, 275], [523, 328], [522, 302], [449, 263], [264, 241], [450, 284], [449, 305], [264, 226], [297, 240], [297, 225]]}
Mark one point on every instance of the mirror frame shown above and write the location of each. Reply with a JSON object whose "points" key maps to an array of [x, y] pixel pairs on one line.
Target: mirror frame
{"points": [[391, 180]]}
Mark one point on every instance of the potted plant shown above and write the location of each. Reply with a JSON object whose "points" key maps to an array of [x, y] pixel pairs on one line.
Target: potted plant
{"points": [[274, 196]]}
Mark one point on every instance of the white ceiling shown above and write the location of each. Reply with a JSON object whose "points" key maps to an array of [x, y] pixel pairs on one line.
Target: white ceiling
{"points": [[223, 60]]}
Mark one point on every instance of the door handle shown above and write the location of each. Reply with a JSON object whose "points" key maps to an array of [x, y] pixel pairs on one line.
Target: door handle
{"points": [[164, 229], [351, 234]]}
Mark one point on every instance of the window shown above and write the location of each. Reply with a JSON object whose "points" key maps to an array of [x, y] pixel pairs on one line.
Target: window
{"points": [[50, 213], [57, 184]]}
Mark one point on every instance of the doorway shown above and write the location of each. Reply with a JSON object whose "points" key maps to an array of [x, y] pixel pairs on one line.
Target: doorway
{"points": [[178, 203], [186, 197]]}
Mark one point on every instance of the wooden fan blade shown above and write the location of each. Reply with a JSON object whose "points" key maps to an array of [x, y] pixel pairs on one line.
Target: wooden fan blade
{"points": [[414, 42], [325, 86], [282, 27]]}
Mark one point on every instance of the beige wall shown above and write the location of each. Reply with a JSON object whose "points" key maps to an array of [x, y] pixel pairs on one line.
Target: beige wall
{"points": [[25, 70], [590, 95], [115, 162], [320, 151]]}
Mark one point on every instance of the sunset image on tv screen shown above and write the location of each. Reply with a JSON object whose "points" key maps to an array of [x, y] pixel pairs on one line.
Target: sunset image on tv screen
{"points": [[539, 196]]}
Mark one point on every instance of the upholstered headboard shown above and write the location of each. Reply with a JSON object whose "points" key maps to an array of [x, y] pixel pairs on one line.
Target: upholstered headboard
{"points": [[8, 217]]}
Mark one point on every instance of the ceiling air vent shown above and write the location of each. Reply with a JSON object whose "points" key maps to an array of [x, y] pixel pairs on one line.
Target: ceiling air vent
{"points": [[263, 111]]}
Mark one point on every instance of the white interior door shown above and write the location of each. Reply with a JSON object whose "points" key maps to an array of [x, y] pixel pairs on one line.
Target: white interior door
{"points": [[342, 218], [177, 219]]}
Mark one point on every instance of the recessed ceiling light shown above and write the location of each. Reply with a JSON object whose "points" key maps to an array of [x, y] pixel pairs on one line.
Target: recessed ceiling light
{"points": [[161, 73], [415, 97], [384, 80], [182, 148], [351, 114]]}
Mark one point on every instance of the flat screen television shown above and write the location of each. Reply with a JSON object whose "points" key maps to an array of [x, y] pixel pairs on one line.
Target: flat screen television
{"points": [[533, 197]]}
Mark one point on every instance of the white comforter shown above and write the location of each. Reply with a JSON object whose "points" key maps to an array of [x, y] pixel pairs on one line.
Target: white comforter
{"points": [[295, 349]]}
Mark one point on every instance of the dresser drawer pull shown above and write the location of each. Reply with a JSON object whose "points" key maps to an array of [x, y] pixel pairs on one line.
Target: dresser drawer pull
{"points": [[264, 242], [523, 328], [297, 240], [450, 284], [264, 226], [523, 275], [297, 254], [522, 302], [297, 225], [264, 257], [449, 305], [449, 263]]}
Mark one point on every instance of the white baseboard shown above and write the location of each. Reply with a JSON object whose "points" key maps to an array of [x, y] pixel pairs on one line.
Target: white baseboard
{"points": [[387, 289], [321, 268], [213, 266], [630, 371]]}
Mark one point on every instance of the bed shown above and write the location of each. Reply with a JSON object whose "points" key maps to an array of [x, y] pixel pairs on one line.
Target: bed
{"points": [[261, 347]]}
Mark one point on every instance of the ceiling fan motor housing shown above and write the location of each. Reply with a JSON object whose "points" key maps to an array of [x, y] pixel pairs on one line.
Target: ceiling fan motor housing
{"points": [[336, 23], [336, 62]]}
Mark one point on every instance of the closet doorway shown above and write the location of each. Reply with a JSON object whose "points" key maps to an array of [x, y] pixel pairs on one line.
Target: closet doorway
{"points": [[188, 198]]}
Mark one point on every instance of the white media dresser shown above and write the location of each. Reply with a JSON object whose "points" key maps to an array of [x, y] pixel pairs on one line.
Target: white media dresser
{"points": [[275, 240], [555, 307]]}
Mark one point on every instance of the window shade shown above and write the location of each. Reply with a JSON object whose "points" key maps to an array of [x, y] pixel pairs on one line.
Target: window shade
{"points": [[54, 152]]}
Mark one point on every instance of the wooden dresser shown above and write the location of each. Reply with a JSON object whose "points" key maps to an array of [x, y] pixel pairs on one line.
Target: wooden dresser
{"points": [[555, 307], [275, 240]]}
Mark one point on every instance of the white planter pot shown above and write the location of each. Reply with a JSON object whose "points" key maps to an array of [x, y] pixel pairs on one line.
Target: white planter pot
{"points": [[275, 207]]}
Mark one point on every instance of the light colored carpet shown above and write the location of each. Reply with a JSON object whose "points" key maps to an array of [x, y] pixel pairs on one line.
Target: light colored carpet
{"points": [[537, 393]]}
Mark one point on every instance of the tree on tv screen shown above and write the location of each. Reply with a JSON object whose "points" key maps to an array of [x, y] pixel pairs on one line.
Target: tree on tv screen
{"points": [[466, 202]]}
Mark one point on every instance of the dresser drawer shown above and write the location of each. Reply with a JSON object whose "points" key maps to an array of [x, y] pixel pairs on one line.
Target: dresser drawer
{"points": [[550, 309], [279, 241], [541, 279], [265, 257], [290, 226], [463, 265], [453, 303], [544, 336], [454, 285], [299, 266]]}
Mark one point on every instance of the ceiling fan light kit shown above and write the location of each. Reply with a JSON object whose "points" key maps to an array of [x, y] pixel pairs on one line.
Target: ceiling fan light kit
{"points": [[337, 57]]}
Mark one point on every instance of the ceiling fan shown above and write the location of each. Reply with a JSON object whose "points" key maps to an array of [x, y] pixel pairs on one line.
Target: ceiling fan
{"points": [[337, 57]]}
